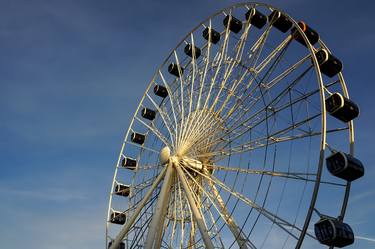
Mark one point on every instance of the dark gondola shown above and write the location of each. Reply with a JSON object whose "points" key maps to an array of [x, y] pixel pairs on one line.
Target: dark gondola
{"points": [[122, 190], [235, 25], [175, 70], [138, 138], [121, 246], [211, 35], [129, 163], [160, 91], [280, 21], [148, 114], [328, 64], [332, 232], [256, 18], [341, 108], [118, 218], [189, 48], [345, 166], [310, 33]]}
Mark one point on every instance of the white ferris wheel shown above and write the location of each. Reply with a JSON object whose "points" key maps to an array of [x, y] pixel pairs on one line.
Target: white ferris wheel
{"points": [[244, 138]]}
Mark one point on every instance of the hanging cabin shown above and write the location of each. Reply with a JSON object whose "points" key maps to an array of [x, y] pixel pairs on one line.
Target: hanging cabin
{"points": [[160, 91], [280, 21], [329, 65], [191, 51], [232, 23], [310, 33], [341, 107], [332, 232], [121, 246], [344, 166], [175, 70], [211, 35], [122, 190], [118, 217], [148, 114], [138, 138], [129, 163], [256, 18]]}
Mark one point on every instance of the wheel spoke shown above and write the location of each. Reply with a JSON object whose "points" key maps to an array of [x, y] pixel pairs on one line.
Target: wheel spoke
{"points": [[163, 117], [274, 101], [196, 212], [282, 223], [222, 54], [171, 102], [265, 140], [155, 131], [291, 175], [139, 208], [220, 207], [233, 62], [278, 49], [257, 48], [142, 147]]}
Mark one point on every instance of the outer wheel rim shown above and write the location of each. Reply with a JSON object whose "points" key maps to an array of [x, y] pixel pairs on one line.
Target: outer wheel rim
{"points": [[322, 95]]}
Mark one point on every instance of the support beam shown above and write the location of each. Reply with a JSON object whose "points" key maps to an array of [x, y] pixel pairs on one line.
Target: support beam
{"points": [[157, 222], [129, 223], [191, 242], [196, 212], [233, 227]]}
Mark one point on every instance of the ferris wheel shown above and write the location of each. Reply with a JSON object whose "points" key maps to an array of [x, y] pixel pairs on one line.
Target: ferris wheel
{"points": [[244, 138]]}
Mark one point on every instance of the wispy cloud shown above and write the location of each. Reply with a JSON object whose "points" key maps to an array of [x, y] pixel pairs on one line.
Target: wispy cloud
{"points": [[48, 194], [365, 238], [360, 196], [67, 229], [356, 237]]}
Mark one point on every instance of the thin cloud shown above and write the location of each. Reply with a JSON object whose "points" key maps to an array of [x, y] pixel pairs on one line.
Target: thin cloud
{"points": [[361, 196], [356, 237], [57, 194], [365, 238]]}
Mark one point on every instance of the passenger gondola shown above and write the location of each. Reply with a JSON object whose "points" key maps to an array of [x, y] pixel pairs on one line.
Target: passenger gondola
{"points": [[256, 18], [121, 246], [138, 138], [148, 114], [280, 21], [345, 166], [234, 24], [332, 232], [189, 50], [175, 69], [160, 91], [129, 163], [118, 217], [310, 33], [341, 107], [328, 64], [211, 35], [122, 189]]}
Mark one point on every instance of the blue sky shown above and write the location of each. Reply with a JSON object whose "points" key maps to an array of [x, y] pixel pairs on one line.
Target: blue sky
{"points": [[71, 76]]}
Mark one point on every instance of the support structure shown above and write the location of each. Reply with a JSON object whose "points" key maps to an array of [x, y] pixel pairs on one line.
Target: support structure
{"points": [[129, 223], [155, 229], [196, 212], [233, 227]]}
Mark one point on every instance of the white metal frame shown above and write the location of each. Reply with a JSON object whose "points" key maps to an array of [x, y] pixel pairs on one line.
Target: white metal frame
{"points": [[187, 128]]}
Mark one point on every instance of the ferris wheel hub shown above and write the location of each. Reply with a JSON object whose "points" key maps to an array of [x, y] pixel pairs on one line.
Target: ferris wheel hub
{"points": [[164, 155], [192, 163]]}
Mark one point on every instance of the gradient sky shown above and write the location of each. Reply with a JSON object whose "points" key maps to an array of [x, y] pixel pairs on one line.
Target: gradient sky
{"points": [[71, 75]]}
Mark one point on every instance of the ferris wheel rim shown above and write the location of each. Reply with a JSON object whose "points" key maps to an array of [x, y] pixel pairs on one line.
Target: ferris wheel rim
{"points": [[318, 74]]}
